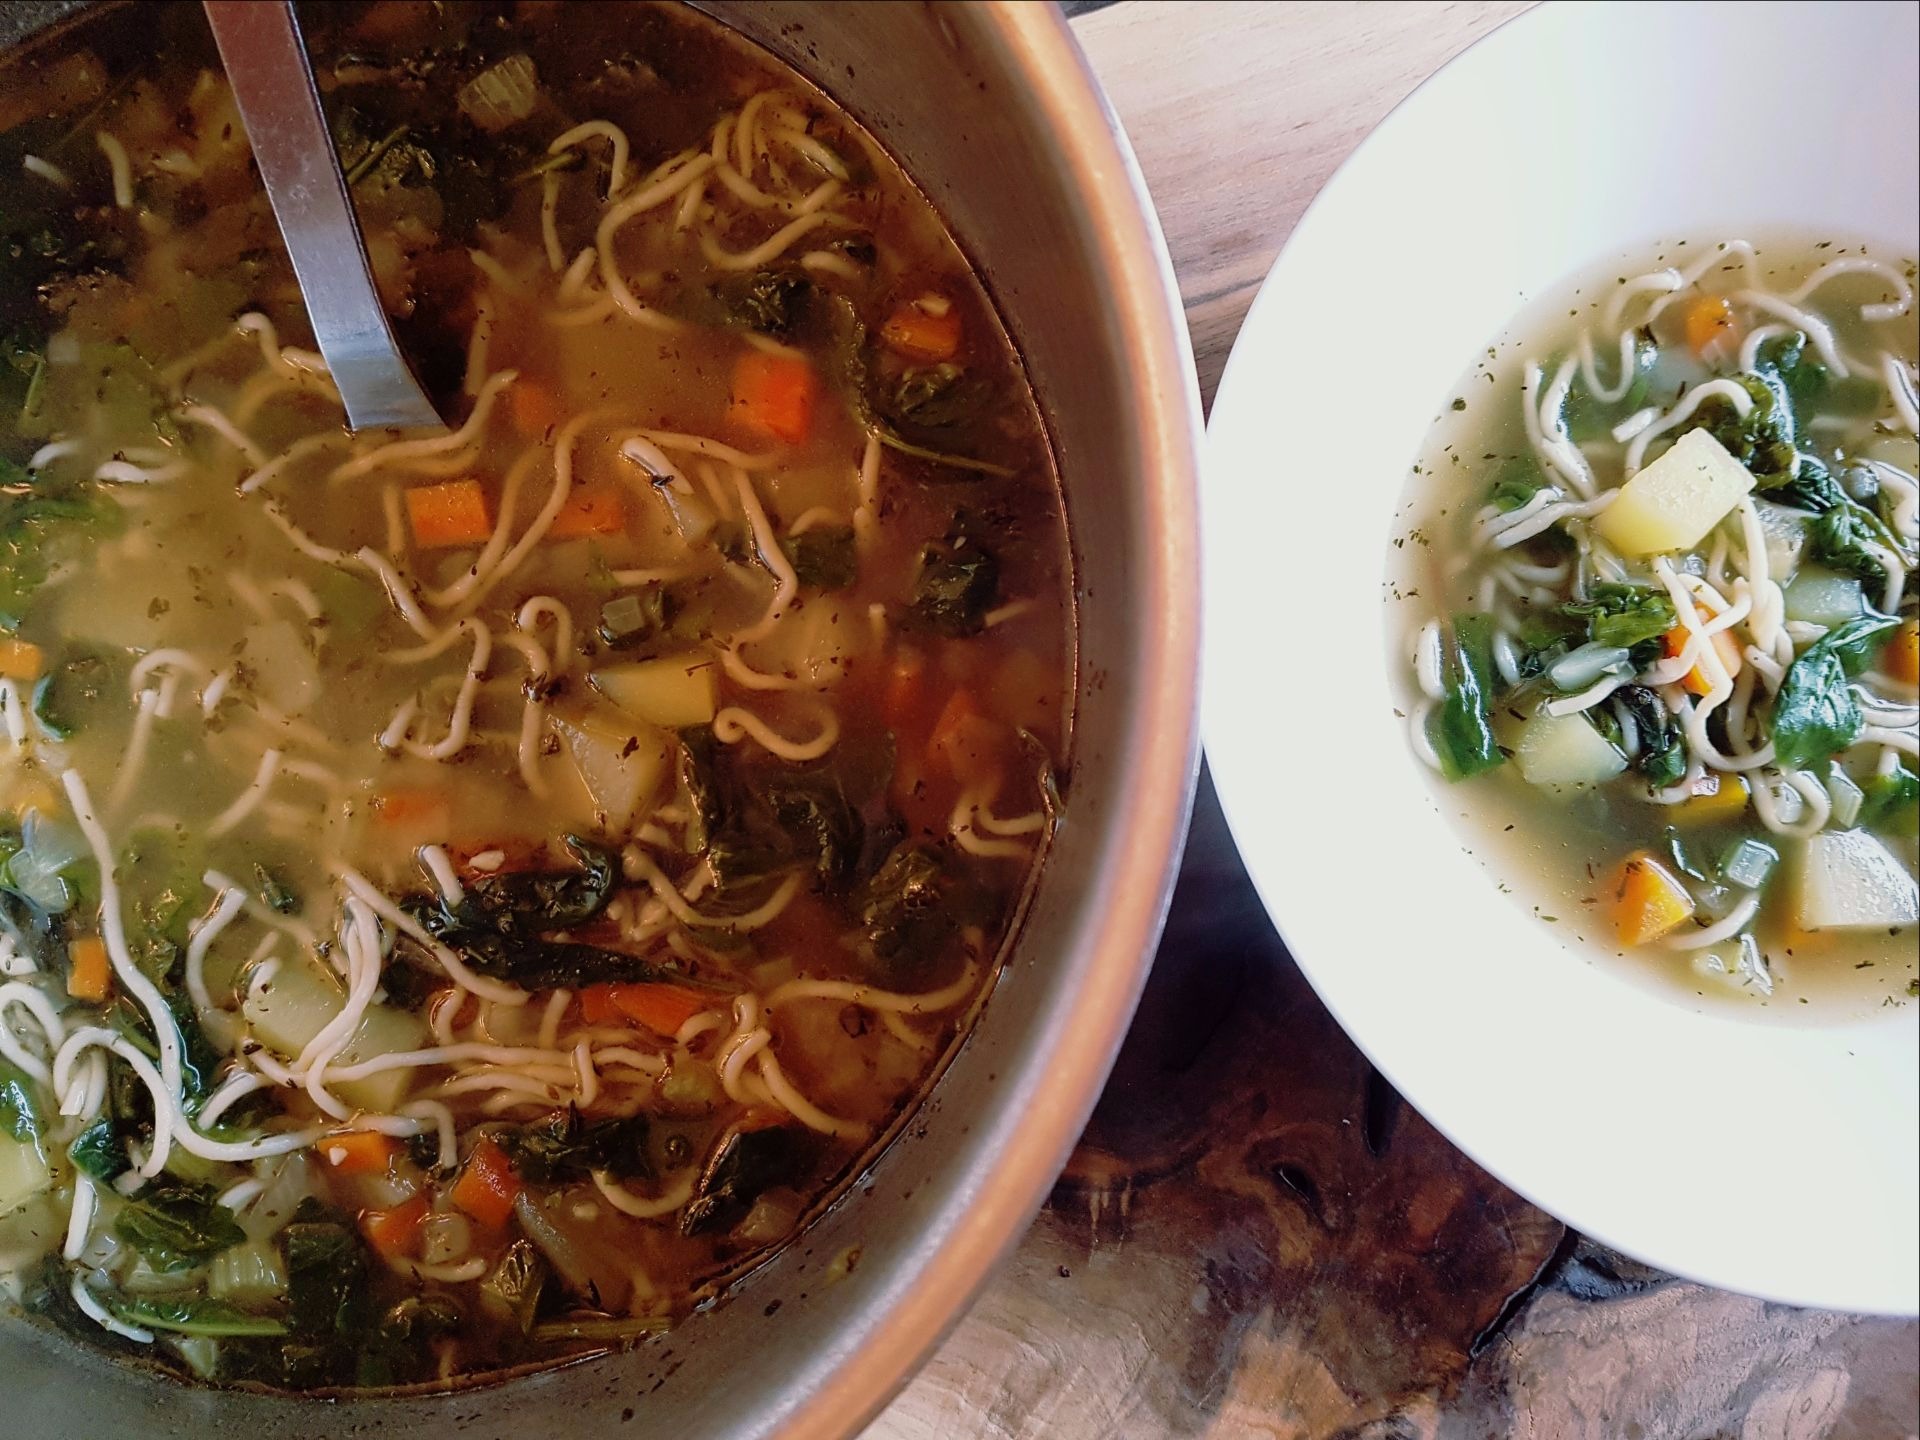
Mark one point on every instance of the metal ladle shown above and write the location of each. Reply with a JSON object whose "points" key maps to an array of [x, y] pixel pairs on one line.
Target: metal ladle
{"points": [[266, 63]]}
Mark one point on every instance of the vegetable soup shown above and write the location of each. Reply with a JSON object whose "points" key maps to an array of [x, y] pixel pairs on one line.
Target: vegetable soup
{"points": [[466, 897], [1655, 615]]}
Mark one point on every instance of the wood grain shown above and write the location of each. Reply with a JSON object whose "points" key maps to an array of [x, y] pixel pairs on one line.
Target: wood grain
{"points": [[1240, 111], [1256, 1238]]}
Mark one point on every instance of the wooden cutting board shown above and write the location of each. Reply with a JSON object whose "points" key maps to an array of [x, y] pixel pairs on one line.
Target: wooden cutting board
{"points": [[1255, 1237]]}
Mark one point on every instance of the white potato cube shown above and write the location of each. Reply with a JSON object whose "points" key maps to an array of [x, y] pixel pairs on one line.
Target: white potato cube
{"points": [[1675, 501], [1850, 881], [301, 1000], [620, 761], [1564, 750], [672, 692]]}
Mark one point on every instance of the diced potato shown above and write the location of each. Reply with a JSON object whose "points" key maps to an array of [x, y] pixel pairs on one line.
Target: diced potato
{"points": [[1786, 532], [298, 1003], [1565, 750], [1648, 900], [621, 762], [1850, 881], [24, 1173], [672, 692], [1819, 597], [1735, 964], [1675, 501]]}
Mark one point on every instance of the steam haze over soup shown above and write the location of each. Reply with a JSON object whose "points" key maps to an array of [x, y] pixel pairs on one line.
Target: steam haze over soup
{"points": [[465, 898]]}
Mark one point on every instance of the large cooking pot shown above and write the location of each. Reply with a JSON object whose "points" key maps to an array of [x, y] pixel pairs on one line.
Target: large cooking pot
{"points": [[992, 109]]}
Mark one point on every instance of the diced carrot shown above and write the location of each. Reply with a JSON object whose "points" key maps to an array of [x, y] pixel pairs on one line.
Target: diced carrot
{"points": [[1648, 901], [486, 1186], [964, 743], [1722, 641], [408, 807], [773, 395], [1707, 323], [89, 975], [394, 1233], [453, 512], [358, 1152], [923, 329], [535, 409], [1902, 657], [598, 1007], [1718, 799], [594, 507], [20, 659], [663, 1009]]}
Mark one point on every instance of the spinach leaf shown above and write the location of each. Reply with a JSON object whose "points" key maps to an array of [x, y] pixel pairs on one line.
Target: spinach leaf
{"points": [[1813, 488], [273, 892], [1459, 727], [1623, 615], [177, 1227], [912, 908], [767, 301], [823, 558], [527, 903], [76, 690], [513, 1287], [400, 1348], [1810, 385], [1764, 439], [1588, 417], [100, 1150], [742, 1165], [937, 397], [196, 1316], [39, 531], [1517, 481], [534, 963], [958, 581], [19, 1113], [1816, 714], [1892, 802], [566, 1147], [1663, 750], [1844, 537], [327, 1272]]}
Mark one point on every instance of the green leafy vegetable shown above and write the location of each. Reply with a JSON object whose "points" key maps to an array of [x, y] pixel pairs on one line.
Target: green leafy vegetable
{"points": [[273, 892], [177, 1227], [1623, 615], [19, 1112], [1663, 748], [76, 690], [39, 531], [529, 902], [1586, 416], [742, 1165], [401, 1347], [823, 558], [1892, 802], [100, 1150], [1846, 537], [1517, 481], [327, 1270], [636, 617], [513, 1286], [1764, 440], [912, 907], [1459, 727], [767, 301], [958, 581], [937, 397], [566, 1147], [1816, 714], [196, 1316]]}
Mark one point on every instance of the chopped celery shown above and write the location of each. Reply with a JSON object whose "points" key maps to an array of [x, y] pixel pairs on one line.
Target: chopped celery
{"points": [[1847, 796]]}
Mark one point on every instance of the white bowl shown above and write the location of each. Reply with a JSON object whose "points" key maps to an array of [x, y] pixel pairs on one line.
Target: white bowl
{"points": [[1779, 1160]]}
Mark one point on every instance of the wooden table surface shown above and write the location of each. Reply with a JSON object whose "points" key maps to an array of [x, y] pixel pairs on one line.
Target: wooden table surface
{"points": [[1255, 1237]]}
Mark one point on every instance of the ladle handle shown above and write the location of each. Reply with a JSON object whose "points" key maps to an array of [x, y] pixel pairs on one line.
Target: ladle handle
{"points": [[273, 86]]}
